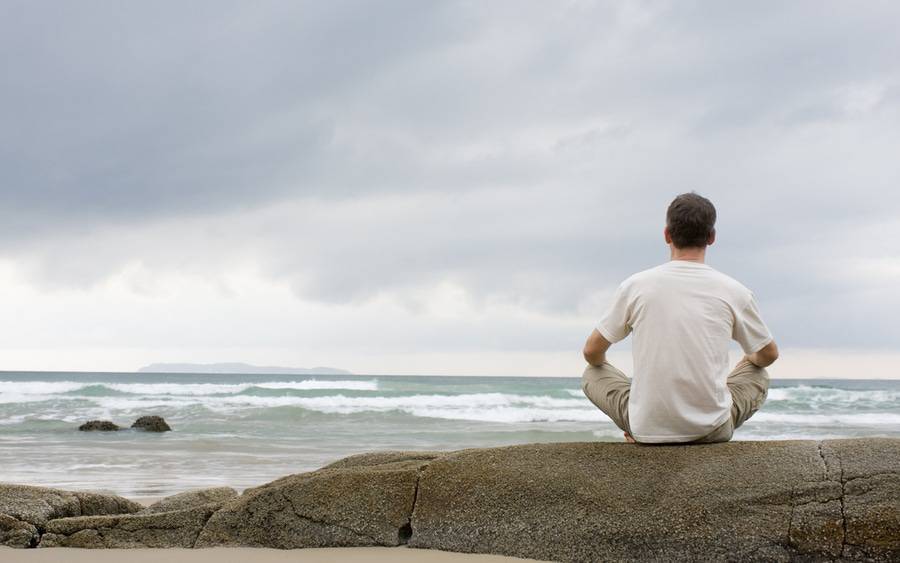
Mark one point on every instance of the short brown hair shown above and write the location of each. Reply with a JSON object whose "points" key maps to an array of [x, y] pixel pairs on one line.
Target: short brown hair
{"points": [[691, 219]]}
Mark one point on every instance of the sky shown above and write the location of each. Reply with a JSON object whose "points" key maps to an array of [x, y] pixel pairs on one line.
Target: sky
{"points": [[407, 187]]}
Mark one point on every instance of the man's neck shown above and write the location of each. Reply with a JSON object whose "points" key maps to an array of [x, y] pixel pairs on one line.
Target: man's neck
{"points": [[688, 254]]}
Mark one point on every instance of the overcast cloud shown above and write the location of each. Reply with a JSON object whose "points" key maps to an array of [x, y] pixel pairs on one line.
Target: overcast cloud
{"points": [[464, 180]]}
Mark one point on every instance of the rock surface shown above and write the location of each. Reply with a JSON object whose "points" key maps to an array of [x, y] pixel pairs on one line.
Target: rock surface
{"points": [[15, 533], [178, 528], [191, 499], [589, 502], [361, 501], [98, 425], [38, 505], [151, 424], [836, 500]]}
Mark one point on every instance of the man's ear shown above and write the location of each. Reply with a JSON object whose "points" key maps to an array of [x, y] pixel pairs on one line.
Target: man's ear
{"points": [[712, 238], [666, 235]]}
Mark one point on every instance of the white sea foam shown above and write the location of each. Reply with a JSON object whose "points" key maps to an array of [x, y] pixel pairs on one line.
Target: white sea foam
{"points": [[511, 414], [31, 391], [321, 384], [850, 419], [17, 419], [816, 395], [484, 407], [817, 406], [223, 389], [23, 391]]}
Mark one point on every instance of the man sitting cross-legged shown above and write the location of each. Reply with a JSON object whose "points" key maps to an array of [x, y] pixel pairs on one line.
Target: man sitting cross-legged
{"points": [[683, 315]]}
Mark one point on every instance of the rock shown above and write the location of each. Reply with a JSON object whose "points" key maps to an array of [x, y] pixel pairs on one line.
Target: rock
{"points": [[98, 425], [363, 501], [734, 501], [754, 501], [15, 533], [379, 458], [191, 499], [151, 424], [37, 505], [870, 480], [177, 528]]}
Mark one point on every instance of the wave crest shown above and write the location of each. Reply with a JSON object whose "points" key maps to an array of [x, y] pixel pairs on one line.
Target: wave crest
{"points": [[31, 391]]}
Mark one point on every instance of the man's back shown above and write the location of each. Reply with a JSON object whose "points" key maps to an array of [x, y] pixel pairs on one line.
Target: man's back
{"points": [[683, 315]]}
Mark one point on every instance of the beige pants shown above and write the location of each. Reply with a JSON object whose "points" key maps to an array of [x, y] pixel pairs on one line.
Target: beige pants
{"points": [[609, 388]]}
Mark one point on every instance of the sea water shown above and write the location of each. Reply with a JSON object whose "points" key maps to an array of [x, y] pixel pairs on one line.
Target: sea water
{"points": [[245, 430]]}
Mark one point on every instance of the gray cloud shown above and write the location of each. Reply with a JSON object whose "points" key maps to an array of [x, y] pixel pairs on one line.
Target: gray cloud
{"points": [[525, 151]]}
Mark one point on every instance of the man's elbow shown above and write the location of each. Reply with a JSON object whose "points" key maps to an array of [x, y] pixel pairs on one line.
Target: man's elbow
{"points": [[595, 349], [768, 354], [593, 356], [772, 352]]}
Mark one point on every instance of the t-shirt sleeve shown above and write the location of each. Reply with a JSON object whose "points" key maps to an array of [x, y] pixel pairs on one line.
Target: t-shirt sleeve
{"points": [[617, 322], [749, 329]]}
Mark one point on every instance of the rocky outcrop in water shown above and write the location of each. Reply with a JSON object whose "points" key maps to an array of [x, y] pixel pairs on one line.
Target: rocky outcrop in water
{"points": [[98, 426], [151, 424], [835, 500]]}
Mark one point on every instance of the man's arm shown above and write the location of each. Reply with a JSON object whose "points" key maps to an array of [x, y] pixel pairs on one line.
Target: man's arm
{"points": [[765, 356], [595, 348]]}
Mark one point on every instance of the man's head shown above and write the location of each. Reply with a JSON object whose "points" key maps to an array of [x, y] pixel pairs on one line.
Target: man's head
{"points": [[690, 221]]}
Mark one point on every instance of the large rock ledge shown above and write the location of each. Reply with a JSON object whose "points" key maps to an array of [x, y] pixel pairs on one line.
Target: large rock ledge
{"points": [[24, 508], [782, 501]]}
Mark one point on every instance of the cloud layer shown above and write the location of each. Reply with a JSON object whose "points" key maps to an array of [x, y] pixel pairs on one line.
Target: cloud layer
{"points": [[514, 156]]}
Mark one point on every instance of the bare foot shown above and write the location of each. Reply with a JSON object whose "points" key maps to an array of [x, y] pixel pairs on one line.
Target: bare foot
{"points": [[629, 439]]}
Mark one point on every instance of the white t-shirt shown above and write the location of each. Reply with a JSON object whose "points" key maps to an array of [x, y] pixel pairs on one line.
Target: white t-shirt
{"points": [[683, 315]]}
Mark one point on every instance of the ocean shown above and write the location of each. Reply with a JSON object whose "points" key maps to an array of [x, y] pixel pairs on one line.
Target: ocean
{"points": [[245, 430]]}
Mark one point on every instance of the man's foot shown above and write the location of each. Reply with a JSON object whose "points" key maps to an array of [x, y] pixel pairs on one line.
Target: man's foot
{"points": [[629, 439]]}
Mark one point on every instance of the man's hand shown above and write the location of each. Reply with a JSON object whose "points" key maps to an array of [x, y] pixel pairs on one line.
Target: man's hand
{"points": [[765, 356], [595, 349]]}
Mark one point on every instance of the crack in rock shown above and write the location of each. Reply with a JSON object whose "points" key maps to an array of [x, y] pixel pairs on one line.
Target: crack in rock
{"points": [[791, 517], [405, 533], [326, 523], [869, 476], [819, 492], [203, 527], [822, 459], [843, 507]]}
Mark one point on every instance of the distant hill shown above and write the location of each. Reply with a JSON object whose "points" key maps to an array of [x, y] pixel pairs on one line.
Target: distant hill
{"points": [[236, 367]]}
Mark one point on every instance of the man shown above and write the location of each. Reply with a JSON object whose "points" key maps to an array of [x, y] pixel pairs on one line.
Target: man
{"points": [[683, 315]]}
